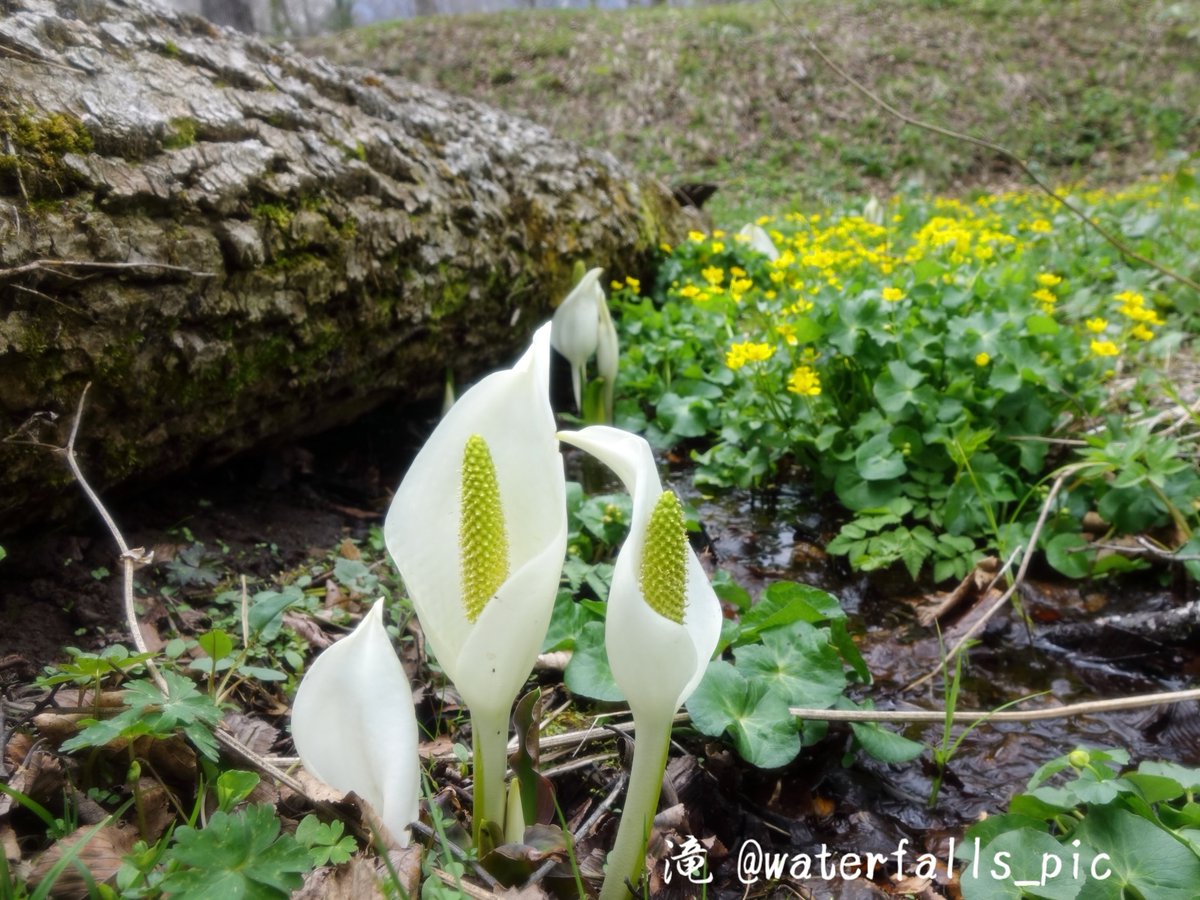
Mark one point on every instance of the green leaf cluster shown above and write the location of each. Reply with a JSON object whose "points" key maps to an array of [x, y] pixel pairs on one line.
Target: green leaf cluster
{"points": [[1104, 833], [790, 649], [147, 712], [238, 854]]}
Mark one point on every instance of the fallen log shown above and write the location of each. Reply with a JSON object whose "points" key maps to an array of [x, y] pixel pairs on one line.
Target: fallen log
{"points": [[236, 242]]}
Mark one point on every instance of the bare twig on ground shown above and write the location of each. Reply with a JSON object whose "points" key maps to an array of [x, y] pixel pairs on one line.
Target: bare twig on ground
{"points": [[459, 854], [133, 559], [1121, 247], [130, 559], [1140, 701], [584, 830], [1000, 601]]}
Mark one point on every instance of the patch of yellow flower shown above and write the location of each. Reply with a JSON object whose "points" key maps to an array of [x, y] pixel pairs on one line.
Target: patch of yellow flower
{"points": [[805, 381], [747, 352]]}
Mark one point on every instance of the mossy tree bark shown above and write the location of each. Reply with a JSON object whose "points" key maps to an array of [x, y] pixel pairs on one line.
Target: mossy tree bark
{"points": [[236, 242]]}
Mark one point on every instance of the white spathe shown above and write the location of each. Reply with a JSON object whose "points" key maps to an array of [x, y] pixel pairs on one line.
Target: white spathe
{"points": [[488, 659], [759, 240], [581, 328], [656, 662], [608, 356], [354, 725]]}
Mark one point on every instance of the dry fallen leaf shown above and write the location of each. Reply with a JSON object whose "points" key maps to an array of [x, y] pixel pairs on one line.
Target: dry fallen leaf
{"points": [[100, 854], [356, 880], [253, 732]]}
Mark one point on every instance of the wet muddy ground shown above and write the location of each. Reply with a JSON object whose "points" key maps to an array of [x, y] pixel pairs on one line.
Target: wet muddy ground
{"points": [[271, 513]]}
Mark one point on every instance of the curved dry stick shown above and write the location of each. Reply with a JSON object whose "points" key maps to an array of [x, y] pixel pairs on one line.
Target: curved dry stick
{"points": [[130, 559], [1012, 588], [1121, 247], [135, 558]]}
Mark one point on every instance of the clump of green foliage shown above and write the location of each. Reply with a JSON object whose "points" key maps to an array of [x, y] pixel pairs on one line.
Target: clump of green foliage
{"points": [[932, 364], [1102, 832]]}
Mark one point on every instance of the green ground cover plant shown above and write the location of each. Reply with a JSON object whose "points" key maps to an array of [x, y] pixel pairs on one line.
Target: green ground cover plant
{"points": [[1102, 831], [932, 363]]}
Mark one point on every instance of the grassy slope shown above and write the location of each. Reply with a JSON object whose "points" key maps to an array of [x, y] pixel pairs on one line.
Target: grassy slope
{"points": [[1096, 89]]}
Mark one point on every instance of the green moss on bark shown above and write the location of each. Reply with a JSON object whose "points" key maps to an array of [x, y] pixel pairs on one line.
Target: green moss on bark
{"points": [[33, 148]]}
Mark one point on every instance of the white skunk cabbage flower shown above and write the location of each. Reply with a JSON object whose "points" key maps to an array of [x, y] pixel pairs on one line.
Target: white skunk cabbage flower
{"points": [[608, 356], [663, 622], [478, 530], [354, 725], [581, 328], [873, 211], [759, 240]]}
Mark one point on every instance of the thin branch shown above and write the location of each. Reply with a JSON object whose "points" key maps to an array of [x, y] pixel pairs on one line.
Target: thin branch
{"points": [[584, 830], [130, 559], [43, 296], [458, 853], [1123, 248], [1141, 701], [135, 559], [45, 264], [1012, 588]]}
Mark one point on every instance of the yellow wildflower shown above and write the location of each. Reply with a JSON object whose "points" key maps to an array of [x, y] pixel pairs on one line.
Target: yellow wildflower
{"points": [[805, 381], [1096, 325], [1041, 226], [739, 286], [1048, 279], [982, 359], [665, 248], [787, 331], [633, 283], [718, 233], [1104, 348], [714, 275], [690, 291], [1141, 332], [747, 351], [1130, 298], [696, 237], [1044, 297], [893, 294], [717, 246], [737, 271]]}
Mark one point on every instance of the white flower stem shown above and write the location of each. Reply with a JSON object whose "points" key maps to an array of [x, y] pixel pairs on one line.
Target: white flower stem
{"points": [[489, 741], [628, 857]]}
